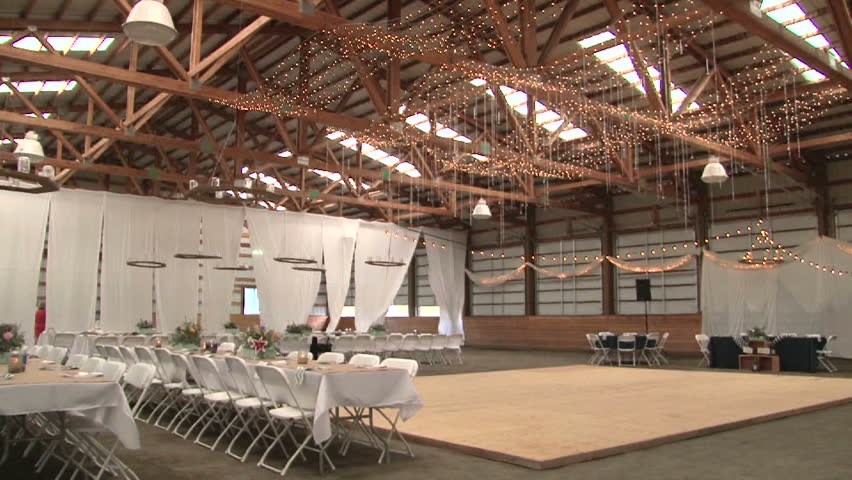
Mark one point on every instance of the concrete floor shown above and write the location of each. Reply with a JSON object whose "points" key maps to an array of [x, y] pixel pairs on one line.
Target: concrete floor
{"points": [[814, 446]]}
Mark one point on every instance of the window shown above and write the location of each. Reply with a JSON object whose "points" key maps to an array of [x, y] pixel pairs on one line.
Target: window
{"points": [[251, 302], [505, 299], [427, 306], [575, 295]]}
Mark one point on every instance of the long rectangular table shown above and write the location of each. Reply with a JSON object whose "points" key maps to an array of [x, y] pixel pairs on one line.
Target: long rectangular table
{"points": [[797, 354]]}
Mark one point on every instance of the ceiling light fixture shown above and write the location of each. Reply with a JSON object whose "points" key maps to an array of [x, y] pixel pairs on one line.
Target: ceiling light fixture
{"points": [[481, 210], [714, 172], [150, 23]]}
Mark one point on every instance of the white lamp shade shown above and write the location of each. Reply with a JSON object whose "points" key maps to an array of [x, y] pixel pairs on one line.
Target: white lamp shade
{"points": [[150, 23], [714, 172], [29, 147], [481, 210]]}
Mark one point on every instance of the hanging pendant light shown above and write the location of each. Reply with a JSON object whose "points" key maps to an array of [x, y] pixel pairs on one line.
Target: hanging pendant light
{"points": [[150, 23], [29, 149], [714, 172], [481, 210]]}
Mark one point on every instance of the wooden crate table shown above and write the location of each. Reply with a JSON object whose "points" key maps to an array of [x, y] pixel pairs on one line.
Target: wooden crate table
{"points": [[771, 363]]}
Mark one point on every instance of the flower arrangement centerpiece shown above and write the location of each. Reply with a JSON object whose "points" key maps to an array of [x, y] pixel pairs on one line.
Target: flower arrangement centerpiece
{"points": [[231, 327], [378, 330], [187, 335], [757, 333], [10, 339], [302, 329], [260, 342], [145, 326]]}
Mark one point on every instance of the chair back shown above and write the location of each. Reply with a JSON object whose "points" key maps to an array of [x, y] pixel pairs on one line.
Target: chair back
{"points": [[626, 342], [64, 340], [294, 355], [703, 341], [663, 340], [134, 340], [114, 370], [107, 340], [344, 343], [183, 361], [169, 371], [93, 364], [241, 377], [140, 375], [362, 343], [652, 340], [276, 386], [128, 355], [439, 342], [592, 339], [226, 338], [146, 355], [208, 374], [364, 360], [113, 353], [227, 347], [76, 360], [828, 341], [455, 340], [424, 341], [394, 342], [403, 363], [379, 343], [409, 341], [335, 358], [58, 354], [101, 351]]}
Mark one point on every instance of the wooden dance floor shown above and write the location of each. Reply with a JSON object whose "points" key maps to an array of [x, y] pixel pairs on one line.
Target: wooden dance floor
{"points": [[549, 417]]}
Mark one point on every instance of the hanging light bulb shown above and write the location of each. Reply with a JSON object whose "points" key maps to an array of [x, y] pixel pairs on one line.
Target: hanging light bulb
{"points": [[714, 172], [481, 210], [150, 23], [28, 150]]}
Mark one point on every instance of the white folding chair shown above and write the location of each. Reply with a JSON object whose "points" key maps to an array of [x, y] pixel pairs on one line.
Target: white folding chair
{"points": [[287, 413], [57, 355], [364, 360], [76, 360], [128, 355], [93, 364], [423, 346], [250, 410], [226, 347], [412, 367], [658, 351], [454, 344], [436, 349], [218, 399], [704, 347], [377, 346], [626, 344], [190, 397], [64, 340], [599, 351], [173, 381], [393, 343], [344, 344], [335, 358], [114, 370], [361, 344], [134, 340], [113, 353], [652, 340], [107, 340], [824, 355]]}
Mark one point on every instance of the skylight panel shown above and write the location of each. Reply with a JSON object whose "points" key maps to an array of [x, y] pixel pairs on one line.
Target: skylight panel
{"points": [[413, 173], [786, 14], [404, 167], [805, 27], [447, 132], [335, 135], [285, 154], [478, 82], [463, 139], [425, 127], [611, 53], [65, 43], [597, 39], [416, 118], [621, 65], [553, 126], [517, 98], [813, 76], [479, 157], [28, 43], [573, 134], [632, 77], [105, 44], [818, 41], [377, 154], [61, 43], [366, 148], [86, 44], [349, 142], [389, 160], [546, 117], [4, 39]]}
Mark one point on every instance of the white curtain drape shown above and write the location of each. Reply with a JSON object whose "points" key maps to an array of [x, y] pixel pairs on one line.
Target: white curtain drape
{"points": [[127, 293], [792, 298], [446, 276], [178, 230], [286, 296], [23, 218], [376, 287], [338, 246], [73, 245], [222, 229]]}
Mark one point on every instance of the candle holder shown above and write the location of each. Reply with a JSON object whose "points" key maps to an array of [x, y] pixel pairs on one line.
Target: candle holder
{"points": [[303, 358], [16, 363], [158, 343]]}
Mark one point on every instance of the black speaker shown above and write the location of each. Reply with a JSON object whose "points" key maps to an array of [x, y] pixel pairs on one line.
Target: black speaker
{"points": [[643, 290]]}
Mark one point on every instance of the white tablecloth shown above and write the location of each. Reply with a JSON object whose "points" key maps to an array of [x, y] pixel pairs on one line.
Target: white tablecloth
{"points": [[83, 344], [102, 402]]}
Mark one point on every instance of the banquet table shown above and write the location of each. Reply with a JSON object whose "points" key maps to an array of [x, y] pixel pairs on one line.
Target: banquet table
{"points": [[724, 352], [797, 354], [611, 341], [98, 399], [325, 387]]}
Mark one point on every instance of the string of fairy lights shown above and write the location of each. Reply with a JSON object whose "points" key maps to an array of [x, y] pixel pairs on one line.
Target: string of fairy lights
{"points": [[775, 252]]}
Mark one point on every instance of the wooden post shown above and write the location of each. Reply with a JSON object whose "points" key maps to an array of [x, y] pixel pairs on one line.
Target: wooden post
{"points": [[529, 274], [608, 248], [412, 286], [468, 294], [700, 225]]}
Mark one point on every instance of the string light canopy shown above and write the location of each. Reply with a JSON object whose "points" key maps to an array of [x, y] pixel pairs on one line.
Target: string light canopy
{"points": [[714, 171], [481, 210], [150, 23]]}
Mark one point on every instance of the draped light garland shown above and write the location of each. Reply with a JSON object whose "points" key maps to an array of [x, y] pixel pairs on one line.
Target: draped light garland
{"points": [[518, 273], [736, 265], [668, 266]]}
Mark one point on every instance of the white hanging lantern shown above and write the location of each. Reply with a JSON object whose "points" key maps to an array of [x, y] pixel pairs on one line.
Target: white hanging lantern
{"points": [[150, 23], [481, 210], [30, 148], [714, 172]]}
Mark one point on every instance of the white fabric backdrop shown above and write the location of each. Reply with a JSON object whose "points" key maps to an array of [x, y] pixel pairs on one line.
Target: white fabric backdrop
{"points": [[222, 228], [446, 276], [73, 245], [376, 287], [338, 242], [127, 293], [178, 230], [792, 298], [23, 217], [286, 295]]}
